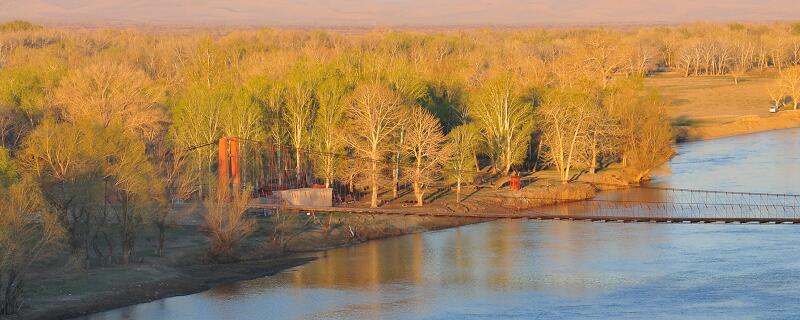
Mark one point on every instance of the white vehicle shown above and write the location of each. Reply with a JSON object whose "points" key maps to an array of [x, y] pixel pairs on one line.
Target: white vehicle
{"points": [[773, 109]]}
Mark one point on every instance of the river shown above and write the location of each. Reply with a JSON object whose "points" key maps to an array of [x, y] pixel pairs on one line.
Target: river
{"points": [[551, 269]]}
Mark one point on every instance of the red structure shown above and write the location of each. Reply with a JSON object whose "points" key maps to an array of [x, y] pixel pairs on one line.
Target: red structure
{"points": [[515, 183], [228, 163], [233, 145]]}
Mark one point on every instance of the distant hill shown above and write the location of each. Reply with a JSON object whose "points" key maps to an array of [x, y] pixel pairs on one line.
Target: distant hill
{"points": [[394, 12]]}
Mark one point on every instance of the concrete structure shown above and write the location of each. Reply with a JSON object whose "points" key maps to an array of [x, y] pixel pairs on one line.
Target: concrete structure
{"points": [[306, 197]]}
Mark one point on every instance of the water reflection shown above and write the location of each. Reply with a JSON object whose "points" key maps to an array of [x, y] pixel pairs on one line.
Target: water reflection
{"points": [[550, 269]]}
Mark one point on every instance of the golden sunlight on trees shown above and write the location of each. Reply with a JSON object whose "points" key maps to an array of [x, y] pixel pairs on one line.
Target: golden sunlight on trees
{"points": [[460, 166], [373, 116], [298, 113], [81, 168], [564, 117], [789, 84], [326, 143], [642, 135], [425, 145], [111, 93], [652, 142], [111, 131], [24, 93], [602, 55], [505, 120]]}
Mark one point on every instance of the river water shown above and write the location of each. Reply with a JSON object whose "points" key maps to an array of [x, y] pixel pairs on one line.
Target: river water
{"points": [[521, 269]]}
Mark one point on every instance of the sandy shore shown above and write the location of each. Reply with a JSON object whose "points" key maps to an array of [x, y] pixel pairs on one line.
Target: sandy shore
{"points": [[740, 125]]}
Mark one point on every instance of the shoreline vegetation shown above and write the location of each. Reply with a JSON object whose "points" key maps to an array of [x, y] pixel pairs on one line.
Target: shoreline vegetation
{"points": [[178, 280], [108, 160]]}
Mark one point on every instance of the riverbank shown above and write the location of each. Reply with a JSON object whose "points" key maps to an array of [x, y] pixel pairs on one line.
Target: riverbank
{"points": [[703, 108], [56, 294], [727, 127], [185, 269]]}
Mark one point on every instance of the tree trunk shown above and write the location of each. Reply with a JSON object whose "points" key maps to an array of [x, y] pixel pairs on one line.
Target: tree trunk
{"points": [[593, 165], [458, 190], [418, 193], [297, 167], [162, 238], [127, 251], [10, 295], [374, 182], [624, 160], [350, 185], [396, 175]]}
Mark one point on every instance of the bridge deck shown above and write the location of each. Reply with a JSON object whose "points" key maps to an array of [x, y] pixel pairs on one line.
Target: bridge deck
{"points": [[529, 215]]}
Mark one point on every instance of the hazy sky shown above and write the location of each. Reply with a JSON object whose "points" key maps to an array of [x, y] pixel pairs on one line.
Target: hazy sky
{"points": [[395, 12]]}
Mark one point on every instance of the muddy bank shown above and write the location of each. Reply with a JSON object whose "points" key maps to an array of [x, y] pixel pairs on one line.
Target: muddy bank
{"points": [[56, 294], [739, 126], [182, 281]]}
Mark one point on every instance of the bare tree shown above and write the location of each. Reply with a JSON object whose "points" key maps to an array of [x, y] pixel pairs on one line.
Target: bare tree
{"points": [[504, 120], [425, 144], [298, 114], [226, 222], [601, 137], [564, 119], [652, 142], [463, 142], [744, 52], [329, 122], [603, 55], [410, 88], [373, 116], [777, 93], [789, 81], [177, 181], [111, 93]]}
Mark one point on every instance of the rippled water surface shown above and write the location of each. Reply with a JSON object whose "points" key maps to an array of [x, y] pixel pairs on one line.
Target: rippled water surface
{"points": [[551, 269]]}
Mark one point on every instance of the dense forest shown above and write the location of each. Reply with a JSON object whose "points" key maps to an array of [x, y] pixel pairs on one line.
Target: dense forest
{"points": [[96, 125]]}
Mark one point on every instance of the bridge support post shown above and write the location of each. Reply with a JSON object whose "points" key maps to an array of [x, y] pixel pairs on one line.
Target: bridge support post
{"points": [[223, 169], [235, 170], [228, 166]]}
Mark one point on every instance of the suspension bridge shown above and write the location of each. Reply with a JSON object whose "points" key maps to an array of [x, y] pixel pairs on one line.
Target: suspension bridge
{"points": [[271, 171]]}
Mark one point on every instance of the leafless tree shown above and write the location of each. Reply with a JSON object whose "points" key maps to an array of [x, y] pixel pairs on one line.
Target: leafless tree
{"points": [[111, 93], [463, 142], [425, 144], [564, 118], [504, 120], [374, 115], [789, 81], [226, 222]]}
